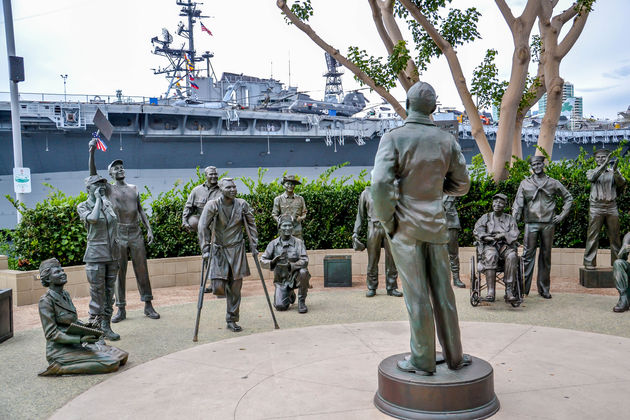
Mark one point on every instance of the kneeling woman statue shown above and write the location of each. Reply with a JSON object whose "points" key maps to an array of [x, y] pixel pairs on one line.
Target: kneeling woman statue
{"points": [[71, 347]]}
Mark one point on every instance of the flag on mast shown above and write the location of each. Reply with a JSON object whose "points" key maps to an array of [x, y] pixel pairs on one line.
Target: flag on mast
{"points": [[204, 29]]}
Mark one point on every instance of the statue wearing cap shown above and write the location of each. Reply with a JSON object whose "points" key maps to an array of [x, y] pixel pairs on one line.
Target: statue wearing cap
{"points": [[496, 233], [535, 203], [71, 346], [415, 165], [289, 203], [286, 256], [606, 183], [375, 241], [198, 198], [126, 202], [102, 252]]}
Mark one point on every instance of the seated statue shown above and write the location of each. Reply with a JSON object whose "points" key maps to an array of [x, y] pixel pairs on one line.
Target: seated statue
{"points": [[286, 256], [71, 347], [621, 270], [496, 233]]}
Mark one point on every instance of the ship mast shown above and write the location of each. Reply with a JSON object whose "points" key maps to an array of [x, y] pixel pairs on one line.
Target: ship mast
{"points": [[179, 68]]}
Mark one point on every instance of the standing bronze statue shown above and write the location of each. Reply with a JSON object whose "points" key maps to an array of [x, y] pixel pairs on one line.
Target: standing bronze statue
{"points": [[375, 241], [606, 183], [126, 201], [452, 221], [198, 198], [286, 256], [290, 204], [414, 166], [102, 252], [535, 202], [71, 346], [621, 271], [496, 233], [224, 219]]}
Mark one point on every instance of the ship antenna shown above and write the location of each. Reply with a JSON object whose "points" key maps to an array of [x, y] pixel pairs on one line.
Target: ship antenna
{"points": [[181, 60]]}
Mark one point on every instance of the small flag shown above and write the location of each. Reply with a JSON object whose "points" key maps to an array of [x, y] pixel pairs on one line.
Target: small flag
{"points": [[186, 58], [100, 145], [204, 29], [194, 85], [191, 77]]}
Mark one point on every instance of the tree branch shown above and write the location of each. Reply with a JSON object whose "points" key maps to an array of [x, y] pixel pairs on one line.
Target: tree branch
{"points": [[568, 14], [377, 16], [387, 12], [506, 12], [380, 27], [459, 80], [282, 5], [572, 36]]}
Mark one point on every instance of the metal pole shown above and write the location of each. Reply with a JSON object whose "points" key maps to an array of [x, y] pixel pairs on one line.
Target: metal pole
{"points": [[15, 100]]}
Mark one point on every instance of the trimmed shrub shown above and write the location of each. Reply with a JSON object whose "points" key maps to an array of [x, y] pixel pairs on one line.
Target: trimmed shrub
{"points": [[53, 227]]}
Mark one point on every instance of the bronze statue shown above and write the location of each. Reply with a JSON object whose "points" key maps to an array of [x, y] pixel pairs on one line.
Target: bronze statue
{"points": [[496, 233], [286, 256], [71, 346], [535, 202], [126, 201], [198, 198], [414, 166], [224, 219], [606, 183], [291, 204], [375, 241], [102, 252], [452, 222], [621, 270]]}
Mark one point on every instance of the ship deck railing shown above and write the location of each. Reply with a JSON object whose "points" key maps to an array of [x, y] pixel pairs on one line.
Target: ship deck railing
{"points": [[77, 98]]}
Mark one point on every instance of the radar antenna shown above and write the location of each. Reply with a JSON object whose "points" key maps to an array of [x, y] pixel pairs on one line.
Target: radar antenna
{"points": [[181, 67], [334, 89]]}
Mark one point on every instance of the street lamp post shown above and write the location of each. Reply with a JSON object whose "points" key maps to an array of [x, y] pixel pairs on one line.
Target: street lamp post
{"points": [[64, 77], [15, 77]]}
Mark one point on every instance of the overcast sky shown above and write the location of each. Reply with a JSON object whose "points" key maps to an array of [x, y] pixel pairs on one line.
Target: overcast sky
{"points": [[105, 45]]}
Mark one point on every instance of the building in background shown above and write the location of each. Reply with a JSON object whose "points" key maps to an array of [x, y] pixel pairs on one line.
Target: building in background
{"points": [[572, 106]]}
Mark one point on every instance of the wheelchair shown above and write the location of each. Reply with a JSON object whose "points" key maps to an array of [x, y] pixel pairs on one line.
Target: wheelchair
{"points": [[476, 286]]}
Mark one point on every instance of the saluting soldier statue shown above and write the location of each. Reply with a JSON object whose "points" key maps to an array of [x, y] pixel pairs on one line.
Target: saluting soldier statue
{"points": [[606, 183], [452, 221], [535, 203], [414, 166], [375, 241], [198, 198], [289, 203]]}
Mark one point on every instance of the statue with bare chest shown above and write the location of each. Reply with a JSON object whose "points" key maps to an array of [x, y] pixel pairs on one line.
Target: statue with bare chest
{"points": [[126, 202]]}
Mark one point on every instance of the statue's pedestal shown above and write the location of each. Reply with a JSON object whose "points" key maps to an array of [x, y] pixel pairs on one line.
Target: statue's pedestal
{"points": [[597, 278], [467, 393]]}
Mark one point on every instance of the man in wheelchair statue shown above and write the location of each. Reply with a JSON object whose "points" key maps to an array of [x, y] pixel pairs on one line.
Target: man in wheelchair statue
{"points": [[496, 233]]}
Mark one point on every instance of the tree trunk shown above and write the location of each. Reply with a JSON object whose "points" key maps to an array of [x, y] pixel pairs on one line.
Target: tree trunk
{"points": [[521, 28], [509, 109], [551, 56], [517, 135]]}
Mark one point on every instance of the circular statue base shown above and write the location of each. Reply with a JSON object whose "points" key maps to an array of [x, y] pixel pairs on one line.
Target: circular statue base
{"points": [[467, 393]]}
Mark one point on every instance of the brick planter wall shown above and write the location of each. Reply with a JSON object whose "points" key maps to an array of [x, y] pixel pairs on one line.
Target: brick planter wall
{"points": [[185, 271]]}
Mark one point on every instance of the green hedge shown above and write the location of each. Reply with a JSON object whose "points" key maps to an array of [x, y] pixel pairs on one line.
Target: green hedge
{"points": [[53, 228]]}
